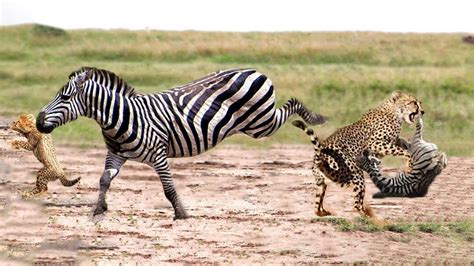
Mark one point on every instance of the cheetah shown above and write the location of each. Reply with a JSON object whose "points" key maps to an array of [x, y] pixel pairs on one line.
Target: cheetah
{"points": [[42, 147], [377, 130]]}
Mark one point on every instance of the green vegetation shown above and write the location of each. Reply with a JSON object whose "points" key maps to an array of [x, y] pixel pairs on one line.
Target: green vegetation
{"points": [[429, 227], [337, 74], [399, 227], [462, 230], [344, 225], [341, 223]]}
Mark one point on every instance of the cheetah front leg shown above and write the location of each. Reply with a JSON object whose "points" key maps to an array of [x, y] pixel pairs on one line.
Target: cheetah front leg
{"points": [[320, 192], [20, 144], [381, 149]]}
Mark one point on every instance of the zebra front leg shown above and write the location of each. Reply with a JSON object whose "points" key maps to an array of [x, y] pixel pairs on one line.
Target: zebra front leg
{"points": [[113, 163], [162, 169]]}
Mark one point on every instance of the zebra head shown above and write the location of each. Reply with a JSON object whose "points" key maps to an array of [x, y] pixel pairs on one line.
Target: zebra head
{"points": [[367, 162], [67, 105]]}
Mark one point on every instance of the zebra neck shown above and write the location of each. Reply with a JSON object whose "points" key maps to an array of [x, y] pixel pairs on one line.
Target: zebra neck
{"points": [[113, 113]]}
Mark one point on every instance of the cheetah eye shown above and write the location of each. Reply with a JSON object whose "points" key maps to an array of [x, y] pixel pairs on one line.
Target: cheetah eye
{"points": [[65, 97]]}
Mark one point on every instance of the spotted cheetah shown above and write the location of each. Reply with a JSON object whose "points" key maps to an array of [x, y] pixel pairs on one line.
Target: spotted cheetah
{"points": [[42, 147], [377, 130]]}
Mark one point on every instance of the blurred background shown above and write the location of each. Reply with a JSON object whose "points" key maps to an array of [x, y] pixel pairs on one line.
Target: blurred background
{"points": [[338, 57]]}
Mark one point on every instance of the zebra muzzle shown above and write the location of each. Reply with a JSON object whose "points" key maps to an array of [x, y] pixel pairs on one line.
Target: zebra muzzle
{"points": [[40, 125]]}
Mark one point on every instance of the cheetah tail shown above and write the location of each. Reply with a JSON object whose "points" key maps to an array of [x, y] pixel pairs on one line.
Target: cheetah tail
{"points": [[310, 132], [68, 183]]}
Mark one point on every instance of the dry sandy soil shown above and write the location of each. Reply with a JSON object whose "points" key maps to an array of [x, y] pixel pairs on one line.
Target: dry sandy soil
{"points": [[247, 206]]}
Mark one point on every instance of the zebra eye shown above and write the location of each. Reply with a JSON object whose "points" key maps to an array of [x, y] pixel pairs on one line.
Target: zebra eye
{"points": [[65, 97]]}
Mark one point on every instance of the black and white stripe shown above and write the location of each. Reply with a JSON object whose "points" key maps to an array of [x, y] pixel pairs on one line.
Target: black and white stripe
{"points": [[184, 121], [426, 163]]}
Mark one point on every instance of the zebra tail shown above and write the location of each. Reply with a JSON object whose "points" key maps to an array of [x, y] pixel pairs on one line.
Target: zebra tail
{"points": [[310, 132], [68, 183], [308, 116]]}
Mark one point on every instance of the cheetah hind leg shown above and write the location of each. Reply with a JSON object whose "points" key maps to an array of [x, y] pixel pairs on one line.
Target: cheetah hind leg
{"points": [[358, 185], [320, 192], [364, 210], [40, 188]]}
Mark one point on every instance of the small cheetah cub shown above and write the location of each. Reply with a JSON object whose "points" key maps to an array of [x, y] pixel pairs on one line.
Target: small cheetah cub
{"points": [[43, 149]]}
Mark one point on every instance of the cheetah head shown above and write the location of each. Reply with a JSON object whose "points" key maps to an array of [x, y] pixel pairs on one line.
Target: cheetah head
{"points": [[24, 124], [406, 106]]}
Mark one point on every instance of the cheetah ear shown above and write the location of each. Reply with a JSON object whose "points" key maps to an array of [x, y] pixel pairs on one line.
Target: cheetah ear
{"points": [[24, 122], [395, 96], [23, 119]]}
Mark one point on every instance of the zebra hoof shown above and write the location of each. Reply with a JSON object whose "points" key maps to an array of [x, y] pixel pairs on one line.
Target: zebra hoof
{"points": [[100, 209], [181, 216]]}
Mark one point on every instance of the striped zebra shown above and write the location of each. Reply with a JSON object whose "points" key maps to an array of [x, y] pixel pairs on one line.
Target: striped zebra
{"points": [[183, 121], [426, 164]]}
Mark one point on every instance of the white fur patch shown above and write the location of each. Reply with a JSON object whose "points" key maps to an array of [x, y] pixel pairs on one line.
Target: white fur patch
{"points": [[112, 172]]}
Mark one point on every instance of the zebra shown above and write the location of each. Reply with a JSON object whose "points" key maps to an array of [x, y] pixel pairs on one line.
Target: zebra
{"points": [[426, 161], [184, 121]]}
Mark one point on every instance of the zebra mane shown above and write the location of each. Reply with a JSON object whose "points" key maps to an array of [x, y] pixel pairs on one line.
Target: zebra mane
{"points": [[101, 75]]}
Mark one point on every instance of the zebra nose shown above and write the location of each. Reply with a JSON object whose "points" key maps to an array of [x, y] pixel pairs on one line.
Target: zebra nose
{"points": [[422, 112], [40, 123], [40, 118]]}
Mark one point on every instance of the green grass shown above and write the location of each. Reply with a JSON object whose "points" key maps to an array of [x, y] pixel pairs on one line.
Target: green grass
{"points": [[399, 227], [342, 224], [429, 227], [461, 230], [340, 75]]}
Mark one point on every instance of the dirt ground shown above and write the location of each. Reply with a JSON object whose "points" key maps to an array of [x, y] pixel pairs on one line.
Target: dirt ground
{"points": [[247, 206]]}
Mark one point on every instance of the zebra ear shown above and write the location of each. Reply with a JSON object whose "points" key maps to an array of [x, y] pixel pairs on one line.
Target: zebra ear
{"points": [[82, 78]]}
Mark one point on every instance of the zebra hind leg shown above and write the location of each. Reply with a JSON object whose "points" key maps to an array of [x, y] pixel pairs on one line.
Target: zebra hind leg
{"points": [[162, 169]]}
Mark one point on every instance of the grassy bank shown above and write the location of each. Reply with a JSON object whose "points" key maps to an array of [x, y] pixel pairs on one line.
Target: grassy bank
{"points": [[337, 74]]}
